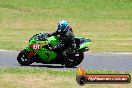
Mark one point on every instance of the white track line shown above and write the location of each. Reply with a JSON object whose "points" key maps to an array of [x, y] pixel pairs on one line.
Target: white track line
{"points": [[122, 53], [5, 50]]}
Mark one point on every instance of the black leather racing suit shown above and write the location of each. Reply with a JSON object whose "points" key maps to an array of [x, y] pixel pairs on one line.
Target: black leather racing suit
{"points": [[67, 40]]}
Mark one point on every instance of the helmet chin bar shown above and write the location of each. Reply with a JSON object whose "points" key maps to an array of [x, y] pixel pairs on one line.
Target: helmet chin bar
{"points": [[59, 30]]}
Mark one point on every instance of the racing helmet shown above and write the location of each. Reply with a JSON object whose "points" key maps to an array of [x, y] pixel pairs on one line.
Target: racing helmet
{"points": [[62, 25]]}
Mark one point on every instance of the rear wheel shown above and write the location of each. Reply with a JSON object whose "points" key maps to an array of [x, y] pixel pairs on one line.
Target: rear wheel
{"points": [[23, 58], [74, 60]]}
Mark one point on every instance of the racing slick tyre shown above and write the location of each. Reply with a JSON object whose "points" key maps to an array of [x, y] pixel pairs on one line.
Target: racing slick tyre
{"points": [[23, 58], [74, 60]]}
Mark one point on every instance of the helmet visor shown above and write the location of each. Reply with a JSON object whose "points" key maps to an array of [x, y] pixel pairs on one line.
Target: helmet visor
{"points": [[61, 27]]}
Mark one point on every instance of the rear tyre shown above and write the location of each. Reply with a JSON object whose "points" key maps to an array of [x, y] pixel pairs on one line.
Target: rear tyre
{"points": [[74, 60], [23, 58]]}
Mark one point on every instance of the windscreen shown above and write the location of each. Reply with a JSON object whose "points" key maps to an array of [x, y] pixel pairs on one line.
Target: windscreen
{"points": [[40, 37]]}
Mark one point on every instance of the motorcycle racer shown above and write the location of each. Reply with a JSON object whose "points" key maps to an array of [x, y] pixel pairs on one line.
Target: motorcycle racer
{"points": [[59, 47], [66, 35]]}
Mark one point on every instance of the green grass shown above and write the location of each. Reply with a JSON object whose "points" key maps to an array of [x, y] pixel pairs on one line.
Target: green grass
{"points": [[106, 22], [36, 70], [49, 78]]}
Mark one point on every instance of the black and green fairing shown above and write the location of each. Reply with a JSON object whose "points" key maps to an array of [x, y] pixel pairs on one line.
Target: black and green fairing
{"points": [[48, 55]]}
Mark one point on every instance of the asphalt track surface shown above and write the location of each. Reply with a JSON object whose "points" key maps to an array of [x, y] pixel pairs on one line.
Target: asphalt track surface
{"points": [[92, 61]]}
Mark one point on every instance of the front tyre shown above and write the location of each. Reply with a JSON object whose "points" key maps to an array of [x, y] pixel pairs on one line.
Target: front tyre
{"points": [[23, 58], [74, 60]]}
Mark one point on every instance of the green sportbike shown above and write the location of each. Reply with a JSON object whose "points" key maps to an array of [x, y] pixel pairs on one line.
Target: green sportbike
{"points": [[38, 51]]}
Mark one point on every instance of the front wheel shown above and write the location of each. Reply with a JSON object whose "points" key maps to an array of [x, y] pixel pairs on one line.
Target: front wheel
{"points": [[74, 60], [23, 58]]}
